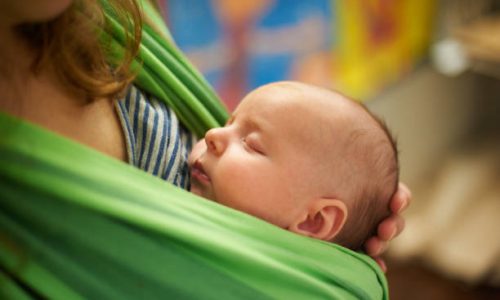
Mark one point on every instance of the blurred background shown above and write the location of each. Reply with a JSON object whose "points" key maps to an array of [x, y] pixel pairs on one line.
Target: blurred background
{"points": [[430, 68]]}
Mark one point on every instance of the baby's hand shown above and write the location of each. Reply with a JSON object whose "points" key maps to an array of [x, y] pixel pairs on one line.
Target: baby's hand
{"points": [[390, 227]]}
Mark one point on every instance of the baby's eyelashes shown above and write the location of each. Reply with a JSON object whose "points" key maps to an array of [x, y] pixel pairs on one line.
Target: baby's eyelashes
{"points": [[252, 144]]}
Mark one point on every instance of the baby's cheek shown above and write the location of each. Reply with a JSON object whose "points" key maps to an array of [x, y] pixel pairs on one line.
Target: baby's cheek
{"points": [[234, 175], [233, 181]]}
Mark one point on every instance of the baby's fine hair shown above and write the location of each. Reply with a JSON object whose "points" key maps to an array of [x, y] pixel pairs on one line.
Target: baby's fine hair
{"points": [[373, 193]]}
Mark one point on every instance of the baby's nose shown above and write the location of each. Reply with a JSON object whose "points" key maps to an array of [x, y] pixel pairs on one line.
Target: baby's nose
{"points": [[216, 140]]}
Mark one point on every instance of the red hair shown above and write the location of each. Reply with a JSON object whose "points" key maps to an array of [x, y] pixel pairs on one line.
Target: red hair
{"points": [[72, 45]]}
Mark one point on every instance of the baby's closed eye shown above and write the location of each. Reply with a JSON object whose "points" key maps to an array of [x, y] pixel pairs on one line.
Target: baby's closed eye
{"points": [[252, 143]]}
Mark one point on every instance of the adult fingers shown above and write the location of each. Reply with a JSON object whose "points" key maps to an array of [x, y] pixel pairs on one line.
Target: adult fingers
{"points": [[381, 263], [374, 246], [390, 227], [401, 199]]}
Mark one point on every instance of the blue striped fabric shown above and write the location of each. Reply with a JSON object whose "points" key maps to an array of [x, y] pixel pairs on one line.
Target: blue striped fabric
{"points": [[156, 141]]}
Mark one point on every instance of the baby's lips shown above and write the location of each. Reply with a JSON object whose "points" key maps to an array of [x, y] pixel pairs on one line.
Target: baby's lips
{"points": [[198, 172]]}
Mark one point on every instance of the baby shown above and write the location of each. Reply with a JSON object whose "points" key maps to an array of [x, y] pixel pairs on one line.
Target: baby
{"points": [[303, 158]]}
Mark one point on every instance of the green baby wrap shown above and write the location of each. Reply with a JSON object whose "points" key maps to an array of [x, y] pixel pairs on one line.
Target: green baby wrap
{"points": [[76, 224]]}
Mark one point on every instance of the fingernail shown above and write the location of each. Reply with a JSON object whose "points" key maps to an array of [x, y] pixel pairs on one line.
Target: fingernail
{"points": [[393, 234], [403, 207]]}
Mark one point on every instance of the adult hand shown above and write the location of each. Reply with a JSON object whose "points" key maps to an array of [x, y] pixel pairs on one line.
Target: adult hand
{"points": [[390, 227]]}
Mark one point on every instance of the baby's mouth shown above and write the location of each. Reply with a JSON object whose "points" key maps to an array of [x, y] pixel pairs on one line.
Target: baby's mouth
{"points": [[198, 173]]}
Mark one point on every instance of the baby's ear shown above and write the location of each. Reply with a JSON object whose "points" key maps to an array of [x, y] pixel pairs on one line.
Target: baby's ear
{"points": [[323, 219]]}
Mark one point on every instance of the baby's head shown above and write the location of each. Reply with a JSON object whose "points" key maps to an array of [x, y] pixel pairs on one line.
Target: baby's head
{"points": [[303, 158]]}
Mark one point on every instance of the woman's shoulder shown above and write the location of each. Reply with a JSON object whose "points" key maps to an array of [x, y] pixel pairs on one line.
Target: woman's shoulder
{"points": [[156, 141]]}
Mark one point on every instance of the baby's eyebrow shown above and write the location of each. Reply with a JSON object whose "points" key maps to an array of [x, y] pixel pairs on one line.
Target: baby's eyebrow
{"points": [[253, 125], [248, 123], [230, 121]]}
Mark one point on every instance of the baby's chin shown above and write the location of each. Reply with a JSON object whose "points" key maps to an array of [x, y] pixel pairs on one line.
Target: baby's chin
{"points": [[201, 191]]}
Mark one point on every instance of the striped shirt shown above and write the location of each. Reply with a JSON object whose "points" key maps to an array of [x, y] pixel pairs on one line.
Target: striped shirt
{"points": [[155, 139]]}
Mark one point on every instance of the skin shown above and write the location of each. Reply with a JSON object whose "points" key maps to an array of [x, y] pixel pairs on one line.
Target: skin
{"points": [[41, 98], [31, 10], [390, 227]]}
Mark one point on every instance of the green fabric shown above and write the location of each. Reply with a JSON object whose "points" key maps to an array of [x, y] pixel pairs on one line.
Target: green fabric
{"points": [[76, 224]]}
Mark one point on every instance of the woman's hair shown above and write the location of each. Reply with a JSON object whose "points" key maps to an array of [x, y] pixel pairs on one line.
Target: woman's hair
{"points": [[73, 46]]}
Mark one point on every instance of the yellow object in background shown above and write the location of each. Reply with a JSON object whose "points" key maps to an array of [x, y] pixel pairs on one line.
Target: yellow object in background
{"points": [[377, 42]]}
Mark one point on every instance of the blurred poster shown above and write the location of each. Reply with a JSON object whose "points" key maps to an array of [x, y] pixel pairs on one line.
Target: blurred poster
{"points": [[240, 45], [356, 46], [379, 42]]}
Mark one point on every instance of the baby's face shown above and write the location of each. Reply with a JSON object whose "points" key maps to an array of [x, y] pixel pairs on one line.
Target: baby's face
{"points": [[259, 161], [286, 156]]}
